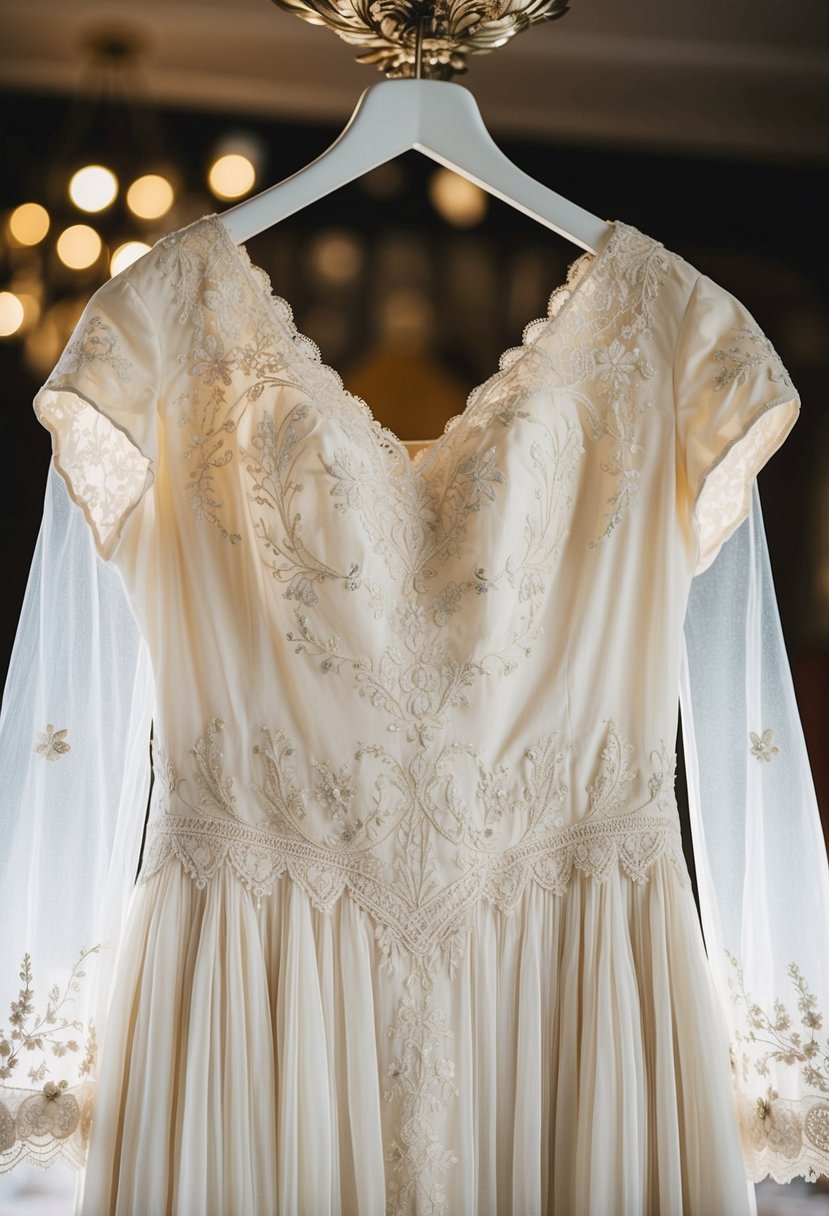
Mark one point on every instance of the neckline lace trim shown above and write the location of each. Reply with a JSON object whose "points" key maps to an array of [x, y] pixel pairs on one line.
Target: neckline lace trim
{"points": [[279, 311]]}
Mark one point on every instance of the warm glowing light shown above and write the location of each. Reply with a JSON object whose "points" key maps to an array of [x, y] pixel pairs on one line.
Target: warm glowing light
{"points": [[150, 196], [30, 305], [126, 254], [29, 223], [336, 257], [79, 246], [458, 200], [231, 176], [11, 314], [93, 188]]}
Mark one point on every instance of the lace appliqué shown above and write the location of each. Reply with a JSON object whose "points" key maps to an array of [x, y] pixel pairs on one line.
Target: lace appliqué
{"points": [[783, 1137], [763, 747], [52, 743], [422, 1080], [54, 1121]]}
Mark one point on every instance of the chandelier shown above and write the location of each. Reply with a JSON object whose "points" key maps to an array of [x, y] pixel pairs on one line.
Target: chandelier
{"points": [[110, 185], [432, 40]]}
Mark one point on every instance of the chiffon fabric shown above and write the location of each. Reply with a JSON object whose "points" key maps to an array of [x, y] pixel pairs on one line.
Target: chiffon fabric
{"points": [[413, 930]]}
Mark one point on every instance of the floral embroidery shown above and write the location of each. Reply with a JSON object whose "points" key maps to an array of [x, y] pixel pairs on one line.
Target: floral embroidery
{"points": [[32, 1032], [53, 743], [751, 350], [416, 842], [773, 1038], [223, 296], [423, 1081], [786, 1136], [106, 469], [607, 792], [762, 746], [216, 789], [97, 342]]}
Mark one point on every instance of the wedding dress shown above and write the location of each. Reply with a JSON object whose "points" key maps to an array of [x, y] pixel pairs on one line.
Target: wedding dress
{"points": [[413, 931]]}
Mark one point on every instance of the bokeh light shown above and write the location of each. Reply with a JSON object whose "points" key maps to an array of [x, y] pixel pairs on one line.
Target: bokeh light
{"points": [[458, 200], [126, 254], [231, 176], [11, 314], [336, 258], [150, 196], [93, 188], [79, 246], [29, 223]]}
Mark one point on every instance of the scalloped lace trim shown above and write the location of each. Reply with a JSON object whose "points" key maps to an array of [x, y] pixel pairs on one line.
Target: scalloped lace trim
{"points": [[45, 1125], [561, 297], [785, 1139], [207, 845]]}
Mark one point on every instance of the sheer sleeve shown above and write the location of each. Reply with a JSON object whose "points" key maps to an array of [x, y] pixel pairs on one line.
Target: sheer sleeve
{"points": [[74, 736], [735, 404], [760, 858], [100, 405]]}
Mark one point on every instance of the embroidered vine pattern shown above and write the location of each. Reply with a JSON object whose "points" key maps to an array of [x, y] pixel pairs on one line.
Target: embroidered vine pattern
{"points": [[411, 525], [280, 526], [795, 1042], [215, 790], [378, 822], [209, 284], [422, 1079], [607, 792], [774, 1037], [53, 1029], [750, 350]]}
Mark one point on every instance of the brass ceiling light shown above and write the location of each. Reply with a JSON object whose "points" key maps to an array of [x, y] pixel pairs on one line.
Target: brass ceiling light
{"points": [[431, 40]]}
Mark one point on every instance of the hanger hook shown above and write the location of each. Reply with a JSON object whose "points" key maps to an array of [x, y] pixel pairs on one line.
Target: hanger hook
{"points": [[421, 21]]}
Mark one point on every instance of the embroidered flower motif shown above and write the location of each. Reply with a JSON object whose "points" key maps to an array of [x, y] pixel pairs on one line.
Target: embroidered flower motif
{"points": [[762, 746], [447, 603], [412, 622], [53, 743], [211, 362], [615, 365]]}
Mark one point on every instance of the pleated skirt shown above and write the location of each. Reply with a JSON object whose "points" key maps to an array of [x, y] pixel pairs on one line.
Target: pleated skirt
{"points": [[564, 1058]]}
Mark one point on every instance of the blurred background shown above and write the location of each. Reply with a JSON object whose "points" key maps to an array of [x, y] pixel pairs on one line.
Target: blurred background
{"points": [[704, 125]]}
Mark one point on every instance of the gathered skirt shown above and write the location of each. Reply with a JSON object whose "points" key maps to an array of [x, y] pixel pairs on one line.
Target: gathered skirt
{"points": [[566, 1058]]}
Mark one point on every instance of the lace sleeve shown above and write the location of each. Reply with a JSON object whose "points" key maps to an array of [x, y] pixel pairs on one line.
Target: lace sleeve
{"points": [[99, 404], [735, 404]]}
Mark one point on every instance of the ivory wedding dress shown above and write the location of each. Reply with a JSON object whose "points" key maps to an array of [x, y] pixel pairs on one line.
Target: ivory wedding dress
{"points": [[413, 931]]}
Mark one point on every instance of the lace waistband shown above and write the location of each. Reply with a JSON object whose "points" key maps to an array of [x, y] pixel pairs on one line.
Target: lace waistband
{"points": [[204, 846]]}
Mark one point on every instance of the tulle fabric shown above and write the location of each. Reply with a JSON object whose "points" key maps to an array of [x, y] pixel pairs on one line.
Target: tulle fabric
{"points": [[760, 856], [249, 1052]]}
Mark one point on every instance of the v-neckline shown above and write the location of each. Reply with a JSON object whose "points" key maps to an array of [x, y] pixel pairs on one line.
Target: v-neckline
{"points": [[280, 313]]}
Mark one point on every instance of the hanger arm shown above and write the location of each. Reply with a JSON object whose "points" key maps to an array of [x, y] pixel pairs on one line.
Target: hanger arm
{"points": [[437, 118]]}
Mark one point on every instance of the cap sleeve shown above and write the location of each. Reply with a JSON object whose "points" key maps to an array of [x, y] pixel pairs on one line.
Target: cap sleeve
{"points": [[99, 404], [735, 404]]}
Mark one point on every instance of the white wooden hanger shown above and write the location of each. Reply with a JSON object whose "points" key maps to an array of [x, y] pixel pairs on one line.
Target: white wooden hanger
{"points": [[443, 121]]}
